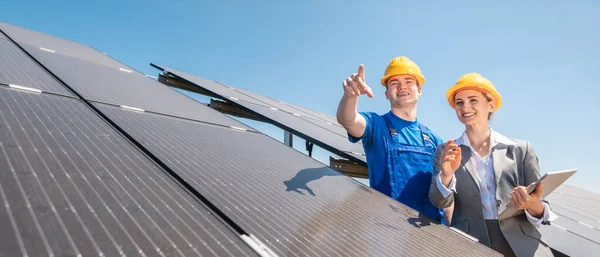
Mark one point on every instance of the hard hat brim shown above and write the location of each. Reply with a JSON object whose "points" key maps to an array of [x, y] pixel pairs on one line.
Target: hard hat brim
{"points": [[420, 79], [452, 91]]}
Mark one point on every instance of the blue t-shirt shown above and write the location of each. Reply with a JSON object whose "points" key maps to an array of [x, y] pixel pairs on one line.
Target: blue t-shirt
{"points": [[374, 143]]}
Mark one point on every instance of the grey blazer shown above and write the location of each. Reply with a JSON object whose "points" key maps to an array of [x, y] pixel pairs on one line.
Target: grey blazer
{"points": [[514, 165]]}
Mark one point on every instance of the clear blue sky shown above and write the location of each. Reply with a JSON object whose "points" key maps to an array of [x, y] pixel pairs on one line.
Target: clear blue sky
{"points": [[544, 58]]}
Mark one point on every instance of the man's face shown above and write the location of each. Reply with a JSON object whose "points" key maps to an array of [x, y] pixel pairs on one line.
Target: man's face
{"points": [[402, 91]]}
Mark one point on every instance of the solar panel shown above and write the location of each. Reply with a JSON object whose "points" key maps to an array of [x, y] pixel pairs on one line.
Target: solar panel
{"points": [[326, 135], [122, 87], [578, 223], [577, 201], [320, 122], [290, 108], [51, 43], [301, 117], [325, 122], [236, 94], [18, 69], [577, 227], [70, 185], [571, 190], [569, 243], [569, 209], [291, 202], [302, 127], [316, 114]]}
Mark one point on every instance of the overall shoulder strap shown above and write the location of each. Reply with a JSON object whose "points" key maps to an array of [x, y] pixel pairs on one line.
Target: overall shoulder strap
{"points": [[388, 123], [425, 134], [392, 131]]}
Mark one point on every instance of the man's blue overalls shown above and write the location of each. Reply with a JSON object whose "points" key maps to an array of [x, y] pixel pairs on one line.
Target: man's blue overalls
{"points": [[410, 169]]}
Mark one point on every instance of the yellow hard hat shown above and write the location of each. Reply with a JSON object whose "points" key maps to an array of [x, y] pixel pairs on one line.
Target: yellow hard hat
{"points": [[477, 82], [402, 66]]}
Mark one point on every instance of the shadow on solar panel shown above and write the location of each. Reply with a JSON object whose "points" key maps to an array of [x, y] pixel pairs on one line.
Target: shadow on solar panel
{"points": [[299, 183]]}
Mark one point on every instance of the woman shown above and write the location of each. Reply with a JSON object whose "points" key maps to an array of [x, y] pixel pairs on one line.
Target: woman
{"points": [[482, 171]]}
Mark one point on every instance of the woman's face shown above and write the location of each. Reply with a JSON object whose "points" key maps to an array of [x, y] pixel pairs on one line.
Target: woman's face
{"points": [[472, 107]]}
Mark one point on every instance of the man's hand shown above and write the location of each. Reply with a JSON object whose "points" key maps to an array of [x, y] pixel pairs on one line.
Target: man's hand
{"points": [[450, 161], [531, 202], [355, 85]]}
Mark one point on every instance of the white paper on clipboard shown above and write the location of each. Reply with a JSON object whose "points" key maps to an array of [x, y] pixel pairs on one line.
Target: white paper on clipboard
{"points": [[551, 181]]}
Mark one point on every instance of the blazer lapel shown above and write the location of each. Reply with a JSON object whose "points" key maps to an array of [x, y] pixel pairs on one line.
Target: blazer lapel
{"points": [[498, 155], [469, 165]]}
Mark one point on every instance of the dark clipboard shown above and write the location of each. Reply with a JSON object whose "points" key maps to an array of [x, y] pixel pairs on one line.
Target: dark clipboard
{"points": [[551, 180]]}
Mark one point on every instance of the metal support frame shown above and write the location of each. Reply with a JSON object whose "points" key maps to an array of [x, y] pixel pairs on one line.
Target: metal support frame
{"points": [[288, 138], [176, 83], [228, 108], [348, 167], [309, 147]]}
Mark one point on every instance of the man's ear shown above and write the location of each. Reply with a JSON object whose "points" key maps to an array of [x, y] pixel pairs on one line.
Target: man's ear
{"points": [[420, 90], [386, 94]]}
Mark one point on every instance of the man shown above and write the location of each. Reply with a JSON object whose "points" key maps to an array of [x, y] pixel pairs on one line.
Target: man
{"points": [[399, 149]]}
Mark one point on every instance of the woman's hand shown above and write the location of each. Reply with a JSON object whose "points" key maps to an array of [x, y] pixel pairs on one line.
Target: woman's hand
{"points": [[530, 202], [450, 161]]}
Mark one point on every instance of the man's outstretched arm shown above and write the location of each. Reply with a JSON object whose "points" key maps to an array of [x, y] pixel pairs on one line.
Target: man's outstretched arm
{"points": [[347, 113]]}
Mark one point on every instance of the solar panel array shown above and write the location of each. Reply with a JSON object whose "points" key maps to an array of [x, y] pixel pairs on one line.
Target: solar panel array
{"points": [[97, 161], [72, 186], [321, 129]]}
